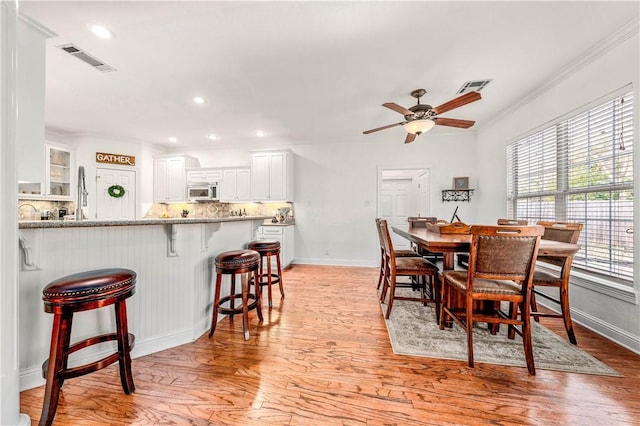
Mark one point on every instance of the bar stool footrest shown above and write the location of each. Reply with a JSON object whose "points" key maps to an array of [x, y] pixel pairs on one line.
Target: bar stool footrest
{"points": [[81, 370], [237, 310]]}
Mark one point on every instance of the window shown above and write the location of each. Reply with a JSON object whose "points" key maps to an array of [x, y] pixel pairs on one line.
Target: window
{"points": [[580, 169]]}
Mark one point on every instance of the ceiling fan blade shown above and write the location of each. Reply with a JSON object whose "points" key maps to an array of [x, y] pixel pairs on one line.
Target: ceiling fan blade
{"points": [[398, 108], [410, 138], [457, 102], [453, 122], [366, 132]]}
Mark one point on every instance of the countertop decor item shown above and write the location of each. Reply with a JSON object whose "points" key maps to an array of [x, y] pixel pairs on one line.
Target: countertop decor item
{"points": [[116, 191]]}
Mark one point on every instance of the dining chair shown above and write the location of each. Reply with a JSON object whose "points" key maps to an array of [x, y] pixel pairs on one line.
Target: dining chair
{"points": [[426, 274], [463, 258], [501, 263], [421, 222], [397, 253], [557, 277], [513, 222]]}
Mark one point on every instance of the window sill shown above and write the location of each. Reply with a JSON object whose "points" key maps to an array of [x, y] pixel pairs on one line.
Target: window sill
{"points": [[601, 285]]}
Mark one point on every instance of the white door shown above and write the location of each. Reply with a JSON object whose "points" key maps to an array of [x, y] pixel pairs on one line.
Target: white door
{"points": [[424, 207], [115, 208], [396, 204]]}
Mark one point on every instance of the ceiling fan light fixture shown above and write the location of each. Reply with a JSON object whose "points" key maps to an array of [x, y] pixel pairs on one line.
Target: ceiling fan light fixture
{"points": [[418, 127]]}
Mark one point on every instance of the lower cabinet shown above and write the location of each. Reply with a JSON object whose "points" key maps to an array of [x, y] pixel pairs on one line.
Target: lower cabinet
{"points": [[283, 234]]}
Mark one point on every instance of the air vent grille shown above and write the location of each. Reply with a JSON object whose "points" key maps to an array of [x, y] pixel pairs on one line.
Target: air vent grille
{"points": [[96, 63], [473, 86]]}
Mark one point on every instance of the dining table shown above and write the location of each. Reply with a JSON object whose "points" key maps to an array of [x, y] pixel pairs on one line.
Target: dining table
{"points": [[449, 244]]}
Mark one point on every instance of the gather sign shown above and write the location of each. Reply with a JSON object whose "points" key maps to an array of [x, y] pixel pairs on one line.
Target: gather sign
{"points": [[121, 159]]}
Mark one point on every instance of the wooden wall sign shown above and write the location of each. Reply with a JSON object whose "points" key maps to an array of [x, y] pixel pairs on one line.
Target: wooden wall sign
{"points": [[120, 159]]}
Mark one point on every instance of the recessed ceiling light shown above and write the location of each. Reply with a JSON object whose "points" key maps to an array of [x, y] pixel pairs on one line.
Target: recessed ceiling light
{"points": [[212, 136], [199, 100], [173, 139], [260, 133], [101, 31]]}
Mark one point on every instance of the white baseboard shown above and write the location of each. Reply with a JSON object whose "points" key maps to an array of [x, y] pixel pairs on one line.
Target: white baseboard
{"points": [[336, 262]]}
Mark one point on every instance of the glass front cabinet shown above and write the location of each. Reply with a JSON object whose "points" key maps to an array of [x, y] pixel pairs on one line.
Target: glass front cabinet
{"points": [[58, 176]]}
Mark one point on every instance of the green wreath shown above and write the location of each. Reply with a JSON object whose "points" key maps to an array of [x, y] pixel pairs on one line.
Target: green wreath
{"points": [[116, 191]]}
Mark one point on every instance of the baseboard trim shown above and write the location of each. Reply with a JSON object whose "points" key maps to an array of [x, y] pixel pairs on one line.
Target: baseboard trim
{"points": [[336, 262]]}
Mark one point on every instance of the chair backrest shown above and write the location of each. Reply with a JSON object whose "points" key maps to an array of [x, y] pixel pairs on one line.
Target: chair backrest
{"points": [[385, 238], [564, 232], [504, 252], [515, 222], [421, 222]]}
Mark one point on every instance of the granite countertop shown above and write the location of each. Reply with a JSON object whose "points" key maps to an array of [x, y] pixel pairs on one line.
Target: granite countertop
{"points": [[30, 224]]}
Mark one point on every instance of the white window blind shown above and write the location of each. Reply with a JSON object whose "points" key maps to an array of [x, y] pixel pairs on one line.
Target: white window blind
{"points": [[580, 169]]}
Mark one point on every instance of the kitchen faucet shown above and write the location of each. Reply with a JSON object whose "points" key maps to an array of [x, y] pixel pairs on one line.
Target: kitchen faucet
{"points": [[35, 210], [82, 193]]}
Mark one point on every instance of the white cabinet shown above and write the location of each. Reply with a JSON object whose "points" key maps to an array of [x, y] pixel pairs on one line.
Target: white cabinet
{"points": [[170, 178], [59, 176], [203, 175], [236, 185], [272, 176], [283, 234]]}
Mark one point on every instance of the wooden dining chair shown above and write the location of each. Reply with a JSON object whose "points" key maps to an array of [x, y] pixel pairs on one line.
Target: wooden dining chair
{"points": [[463, 258], [501, 263], [397, 253], [557, 277], [513, 222], [421, 222], [395, 267]]}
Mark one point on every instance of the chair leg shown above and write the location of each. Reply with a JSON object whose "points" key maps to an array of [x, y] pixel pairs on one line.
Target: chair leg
{"points": [[280, 276], [469, 324], [534, 306], [216, 301], [381, 273], [124, 361], [258, 291], [528, 346], [269, 283], [58, 353], [232, 302], [392, 293], [566, 314], [245, 305]]}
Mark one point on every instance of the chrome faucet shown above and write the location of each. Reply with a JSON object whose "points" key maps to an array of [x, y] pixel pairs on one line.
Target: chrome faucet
{"points": [[82, 193], [35, 210]]}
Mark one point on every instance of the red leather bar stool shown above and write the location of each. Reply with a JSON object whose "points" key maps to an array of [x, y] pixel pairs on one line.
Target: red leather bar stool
{"points": [[268, 248], [82, 292], [245, 263]]}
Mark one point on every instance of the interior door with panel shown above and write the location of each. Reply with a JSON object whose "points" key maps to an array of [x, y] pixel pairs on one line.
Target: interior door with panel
{"points": [[396, 205], [115, 208]]}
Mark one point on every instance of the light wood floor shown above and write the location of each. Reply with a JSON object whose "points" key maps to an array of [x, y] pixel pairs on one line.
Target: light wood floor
{"points": [[323, 357]]}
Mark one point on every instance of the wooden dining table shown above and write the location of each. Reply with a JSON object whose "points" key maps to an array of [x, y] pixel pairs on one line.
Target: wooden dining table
{"points": [[449, 244]]}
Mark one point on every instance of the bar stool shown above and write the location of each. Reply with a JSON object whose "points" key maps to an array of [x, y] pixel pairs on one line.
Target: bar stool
{"points": [[268, 248], [243, 262], [78, 292]]}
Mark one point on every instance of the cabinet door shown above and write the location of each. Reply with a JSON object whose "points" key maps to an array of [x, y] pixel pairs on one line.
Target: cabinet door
{"points": [[58, 173], [228, 186], [176, 182], [160, 187], [243, 185], [260, 177], [278, 177]]}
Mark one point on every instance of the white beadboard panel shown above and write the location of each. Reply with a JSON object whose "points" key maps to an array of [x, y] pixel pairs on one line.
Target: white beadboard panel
{"points": [[174, 295]]}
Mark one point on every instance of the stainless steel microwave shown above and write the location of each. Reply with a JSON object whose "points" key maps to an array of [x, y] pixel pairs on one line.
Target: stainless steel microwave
{"points": [[203, 192]]}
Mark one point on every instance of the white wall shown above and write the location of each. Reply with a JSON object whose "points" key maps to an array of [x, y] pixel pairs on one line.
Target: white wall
{"points": [[608, 67]]}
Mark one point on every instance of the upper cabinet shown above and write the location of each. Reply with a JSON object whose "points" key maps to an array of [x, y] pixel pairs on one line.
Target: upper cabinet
{"points": [[59, 178], [30, 66], [203, 175], [170, 177], [272, 176], [236, 185]]}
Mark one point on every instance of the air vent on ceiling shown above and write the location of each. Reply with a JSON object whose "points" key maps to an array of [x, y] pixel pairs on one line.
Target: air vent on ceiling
{"points": [[74, 50], [473, 86]]}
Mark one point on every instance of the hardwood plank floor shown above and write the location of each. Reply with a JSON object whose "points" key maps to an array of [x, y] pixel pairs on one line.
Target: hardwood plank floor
{"points": [[323, 357]]}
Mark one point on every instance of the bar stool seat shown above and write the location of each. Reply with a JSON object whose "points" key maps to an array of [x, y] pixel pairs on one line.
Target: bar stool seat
{"points": [[78, 292], [245, 263], [268, 248]]}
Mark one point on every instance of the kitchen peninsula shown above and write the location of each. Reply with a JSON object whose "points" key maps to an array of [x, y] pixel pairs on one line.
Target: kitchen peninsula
{"points": [[173, 258]]}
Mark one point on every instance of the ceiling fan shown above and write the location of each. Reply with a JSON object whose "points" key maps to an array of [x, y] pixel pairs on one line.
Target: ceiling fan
{"points": [[421, 118]]}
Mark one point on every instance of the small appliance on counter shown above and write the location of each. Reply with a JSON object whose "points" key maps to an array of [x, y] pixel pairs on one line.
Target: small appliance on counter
{"points": [[62, 212]]}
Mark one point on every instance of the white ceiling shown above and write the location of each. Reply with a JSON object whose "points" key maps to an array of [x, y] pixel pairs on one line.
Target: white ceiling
{"points": [[303, 72]]}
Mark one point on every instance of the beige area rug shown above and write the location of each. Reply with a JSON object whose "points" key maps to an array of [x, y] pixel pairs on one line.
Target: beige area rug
{"points": [[413, 331]]}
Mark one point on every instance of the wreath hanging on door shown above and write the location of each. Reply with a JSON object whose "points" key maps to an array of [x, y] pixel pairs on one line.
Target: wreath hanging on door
{"points": [[116, 191]]}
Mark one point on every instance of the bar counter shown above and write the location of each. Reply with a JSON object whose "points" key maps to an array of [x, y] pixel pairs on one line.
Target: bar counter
{"points": [[31, 224]]}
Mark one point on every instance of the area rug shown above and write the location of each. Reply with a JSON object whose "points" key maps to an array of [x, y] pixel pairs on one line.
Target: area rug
{"points": [[413, 331]]}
